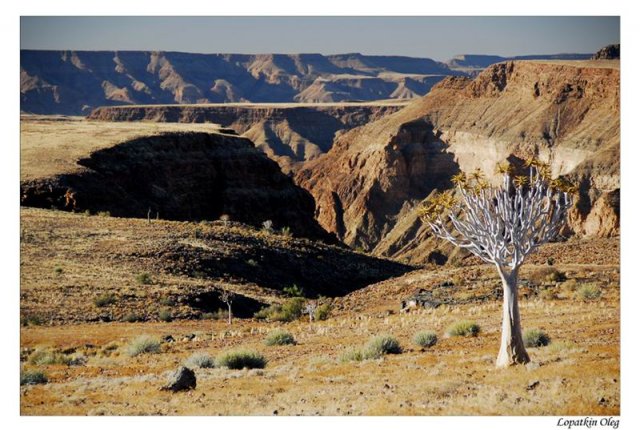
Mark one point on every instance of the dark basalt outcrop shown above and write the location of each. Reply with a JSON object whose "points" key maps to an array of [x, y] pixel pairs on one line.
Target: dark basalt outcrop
{"points": [[181, 176]]}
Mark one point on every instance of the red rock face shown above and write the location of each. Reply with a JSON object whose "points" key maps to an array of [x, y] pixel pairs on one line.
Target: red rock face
{"points": [[564, 113]]}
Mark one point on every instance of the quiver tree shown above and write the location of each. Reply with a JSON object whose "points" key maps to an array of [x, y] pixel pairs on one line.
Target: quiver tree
{"points": [[502, 225], [227, 297]]}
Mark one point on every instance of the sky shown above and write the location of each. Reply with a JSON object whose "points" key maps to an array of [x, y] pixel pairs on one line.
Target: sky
{"points": [[435, 37]]}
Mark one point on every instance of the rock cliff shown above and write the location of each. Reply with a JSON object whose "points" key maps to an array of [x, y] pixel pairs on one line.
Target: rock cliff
{"points": [[180, 176], [565, 112], [287, 133]]}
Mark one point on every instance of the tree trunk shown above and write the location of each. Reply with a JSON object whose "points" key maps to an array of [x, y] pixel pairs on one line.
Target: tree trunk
{"points": [[512, 350], [229, 313]]}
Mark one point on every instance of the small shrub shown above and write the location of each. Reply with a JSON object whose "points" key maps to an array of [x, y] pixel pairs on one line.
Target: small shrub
{"points": [[220, 314], [201, 360], [43, 357], [241, 359], [167, 301], [352, 354], [289, 311], [104, 213], [286, 232], [131, 318], [294, 291], [105, 299], [381, 345], [32, 319], [279, 337], [58, 270], [535, 338], [33, 377], [267, 226], [548, 294], [165, 315], [425, 339], [547, 274], [589, 292], [322, 312], [253, 263], [144, 278], [463, 328], [551, 261], [143, 345], [569, 286]]}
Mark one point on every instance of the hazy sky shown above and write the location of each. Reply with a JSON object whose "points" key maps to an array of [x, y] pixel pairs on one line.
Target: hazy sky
{"points": [[434, 37]]}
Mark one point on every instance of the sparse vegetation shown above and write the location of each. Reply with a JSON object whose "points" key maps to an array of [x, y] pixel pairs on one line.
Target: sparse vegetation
{"points": [[463, 328], [289, 311], [31, 319], [241, 359], [293, 291], [381, 345], [105, 299], [322, 312], [546, 275], [144, 278], [220, 314], [425, 339], [165, 315], [286, 232], [535, 338], [58, 270], [143, 345], [104, 213], [45, 357], [167, 301], [201, 360], [131, 318], [267, 226], [33, 377], [279, 337], [589, 292]]}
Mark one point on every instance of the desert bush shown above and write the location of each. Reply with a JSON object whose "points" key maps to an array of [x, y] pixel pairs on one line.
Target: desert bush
{"points": [[353, 354], [44, 357], [58, 270], [109, 349], [165, 315], [381, 345], [131, 318], [144, 278], [425, 339], [105, 299], [240, 359], [535, 338], [589, 292], [293, 291], [33, 377], [548, 294], [143, 345], [569, 286], [201, 360], [279, 337], [322, 312], [289, 311], [267, 226], [286, 232], [220, 314], [167, 301], [104, 213], [463, 328], [31, 319], [546, 274]]}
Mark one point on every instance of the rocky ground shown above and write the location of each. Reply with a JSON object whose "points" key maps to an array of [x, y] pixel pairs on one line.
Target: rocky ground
{"points": [[94, 374]]}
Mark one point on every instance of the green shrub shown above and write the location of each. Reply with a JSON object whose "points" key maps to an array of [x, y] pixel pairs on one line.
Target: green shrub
{"points": [[293, 291], [353, 354], [381, 345], [425, 339], [144, 278], [104, 213], [589, 292], [33, 377], [31, 319], [463, 328], [535, 338], [240, 359], [289, 311], [220, 314], [285, 231], [58, 270], [105, 299], [143, 345], [279, 337], [322, 312], [167, 301], [201, 360], [165, 315], [43, 357], [131, 318]]}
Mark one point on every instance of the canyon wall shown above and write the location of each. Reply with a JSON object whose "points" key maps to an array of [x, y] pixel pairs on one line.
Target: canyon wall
{"points": [[566, 113]]}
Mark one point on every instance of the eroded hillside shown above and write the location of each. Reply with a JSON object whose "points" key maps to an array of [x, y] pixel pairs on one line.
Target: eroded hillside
{"points": [[566, 113]]}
